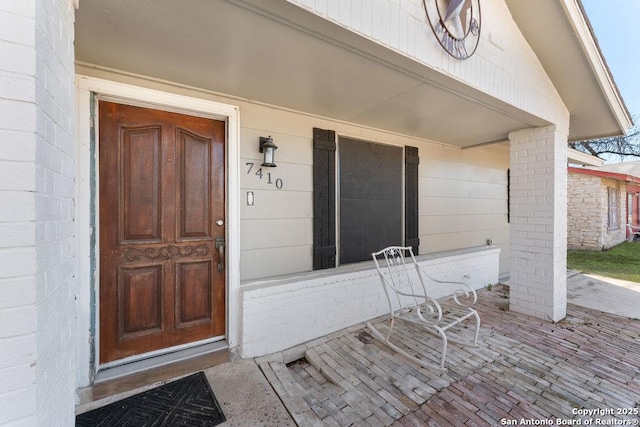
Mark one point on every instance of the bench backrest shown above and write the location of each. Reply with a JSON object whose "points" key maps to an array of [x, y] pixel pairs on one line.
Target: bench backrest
{"points": [[405, 283], [400, 275]]}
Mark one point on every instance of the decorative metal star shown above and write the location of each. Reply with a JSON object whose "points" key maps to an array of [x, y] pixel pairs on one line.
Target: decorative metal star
{"points": [[457, 13]]}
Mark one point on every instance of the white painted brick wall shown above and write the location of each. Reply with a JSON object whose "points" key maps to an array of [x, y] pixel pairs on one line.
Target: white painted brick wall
{"points": [[539, 222], [37, 287], [279, 314]]}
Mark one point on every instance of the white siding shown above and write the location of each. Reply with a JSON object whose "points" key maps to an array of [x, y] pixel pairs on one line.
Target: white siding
{"points": [[463, 200], [463, 193], [465, 189]]}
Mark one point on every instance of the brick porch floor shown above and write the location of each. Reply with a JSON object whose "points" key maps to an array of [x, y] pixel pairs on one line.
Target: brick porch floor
{"points": [[524, 369]]}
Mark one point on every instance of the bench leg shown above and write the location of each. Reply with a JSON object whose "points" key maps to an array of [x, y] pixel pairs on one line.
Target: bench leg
{"points": [[444, 345], [404, 353], [475, 337], [393, 320]]}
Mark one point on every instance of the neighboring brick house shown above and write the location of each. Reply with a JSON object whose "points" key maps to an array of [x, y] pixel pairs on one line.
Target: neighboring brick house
{"points": [[631, 169], [599, 207]]}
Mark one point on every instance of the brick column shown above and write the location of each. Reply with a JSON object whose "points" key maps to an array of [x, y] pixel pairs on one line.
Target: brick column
{"points": [[539, 222], [38, 332]]}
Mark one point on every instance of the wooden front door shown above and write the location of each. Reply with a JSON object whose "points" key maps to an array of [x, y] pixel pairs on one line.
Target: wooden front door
{"points": [[162, 229]]}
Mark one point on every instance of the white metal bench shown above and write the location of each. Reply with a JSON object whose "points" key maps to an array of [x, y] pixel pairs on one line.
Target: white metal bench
{"points": [[405, 285]]}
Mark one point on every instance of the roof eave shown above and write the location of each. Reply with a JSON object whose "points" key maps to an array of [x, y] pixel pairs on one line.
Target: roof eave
{"points": [[559, 33], [605, 174], [584, 32], [578, 157]]}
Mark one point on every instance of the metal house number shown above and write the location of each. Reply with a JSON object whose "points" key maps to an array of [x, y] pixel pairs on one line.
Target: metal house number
{"points": [[264, 175]]}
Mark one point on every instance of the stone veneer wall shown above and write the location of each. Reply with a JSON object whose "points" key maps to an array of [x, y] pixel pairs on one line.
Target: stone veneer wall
{"points": [[585, 210], [615, 236], [587, 213]]}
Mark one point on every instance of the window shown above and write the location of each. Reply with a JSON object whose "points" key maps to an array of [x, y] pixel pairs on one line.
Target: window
{"points": [[366, 208], [629, 208], [370, 196], [614, 208]]}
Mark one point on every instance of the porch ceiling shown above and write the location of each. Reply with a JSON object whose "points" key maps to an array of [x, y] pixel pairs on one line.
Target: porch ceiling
{"points": [[288, 57], [279, 54]]}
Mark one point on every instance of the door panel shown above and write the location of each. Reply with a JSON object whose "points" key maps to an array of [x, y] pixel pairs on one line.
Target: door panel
{"points": [[141, 300], [161, 193], [140, 157], [195, 178], [193, 279]]}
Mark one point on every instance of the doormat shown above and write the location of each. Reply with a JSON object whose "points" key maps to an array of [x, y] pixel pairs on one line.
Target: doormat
{"points": [[186, 402]]}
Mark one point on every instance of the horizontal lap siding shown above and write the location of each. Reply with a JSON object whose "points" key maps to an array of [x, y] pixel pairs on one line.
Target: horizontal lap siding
{"points": [[277, 231], [463, 203]]}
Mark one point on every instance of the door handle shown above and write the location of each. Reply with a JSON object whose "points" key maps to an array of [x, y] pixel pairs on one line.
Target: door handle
{"points": [[220, 244]]}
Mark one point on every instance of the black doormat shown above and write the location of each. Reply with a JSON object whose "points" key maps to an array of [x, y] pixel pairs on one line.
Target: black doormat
{"points": [[186, 402]]}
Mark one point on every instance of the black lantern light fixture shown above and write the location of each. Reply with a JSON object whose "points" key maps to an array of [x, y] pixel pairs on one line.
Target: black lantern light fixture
{"points": [[268, 148]]}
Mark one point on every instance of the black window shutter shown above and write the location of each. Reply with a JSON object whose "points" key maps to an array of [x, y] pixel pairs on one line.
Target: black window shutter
{"points": [[324, 199], [508, 195], [411, 162]]}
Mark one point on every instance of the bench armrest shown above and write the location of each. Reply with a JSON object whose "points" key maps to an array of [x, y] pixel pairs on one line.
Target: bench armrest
{"points": [[466, 293], [465, 296], [430, 308]]}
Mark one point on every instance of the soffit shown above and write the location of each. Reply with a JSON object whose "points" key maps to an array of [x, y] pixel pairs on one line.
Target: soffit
{"points": [[561, 36]]}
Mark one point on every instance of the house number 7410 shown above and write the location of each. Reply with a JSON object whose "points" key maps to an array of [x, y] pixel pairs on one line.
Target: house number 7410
{"points": [[261, 174]]}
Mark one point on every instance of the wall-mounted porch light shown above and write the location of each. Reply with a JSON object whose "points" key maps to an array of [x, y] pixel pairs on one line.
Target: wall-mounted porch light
{"points": [[268, 148]]}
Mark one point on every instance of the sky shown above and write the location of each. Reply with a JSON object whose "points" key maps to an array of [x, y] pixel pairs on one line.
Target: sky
{"points": [[615, 23]]}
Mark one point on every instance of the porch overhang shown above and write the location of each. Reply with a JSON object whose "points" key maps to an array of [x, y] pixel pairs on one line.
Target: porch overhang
{"points": [[282, 55], [563, 39], [279, 54]]}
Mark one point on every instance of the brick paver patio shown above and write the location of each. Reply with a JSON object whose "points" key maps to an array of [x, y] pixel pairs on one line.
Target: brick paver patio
{"points": [[583, 370]]}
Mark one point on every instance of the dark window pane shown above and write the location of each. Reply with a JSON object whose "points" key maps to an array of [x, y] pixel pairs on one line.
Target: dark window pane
{"points": [[370, 198]]}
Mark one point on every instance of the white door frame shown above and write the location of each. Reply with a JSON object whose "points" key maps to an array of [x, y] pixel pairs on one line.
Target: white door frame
{"points": [[86, 203]]}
